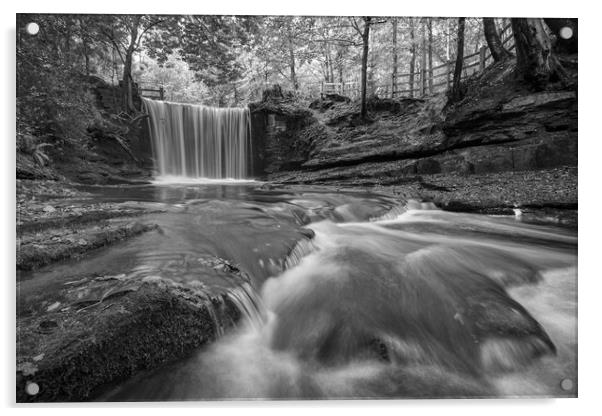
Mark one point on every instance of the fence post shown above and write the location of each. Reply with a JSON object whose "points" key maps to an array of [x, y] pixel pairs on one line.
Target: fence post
{"points": [[392, 85], [161, 92], [482, 52]]}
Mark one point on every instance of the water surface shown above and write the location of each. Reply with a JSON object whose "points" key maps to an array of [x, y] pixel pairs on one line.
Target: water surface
{"points": [[360, 295]]}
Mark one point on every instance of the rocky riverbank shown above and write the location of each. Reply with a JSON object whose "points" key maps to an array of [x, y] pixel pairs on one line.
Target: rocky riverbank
{"points": [[88, 333], [503, 146], [543, 196], [56, 222]]}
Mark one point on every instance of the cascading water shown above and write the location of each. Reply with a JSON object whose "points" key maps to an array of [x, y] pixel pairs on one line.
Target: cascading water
{"points": [[195, 141], [414, 302]]}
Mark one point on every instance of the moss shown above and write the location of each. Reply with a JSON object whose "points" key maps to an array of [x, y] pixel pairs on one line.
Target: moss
{"points": [[87, 349], [34, 251]]}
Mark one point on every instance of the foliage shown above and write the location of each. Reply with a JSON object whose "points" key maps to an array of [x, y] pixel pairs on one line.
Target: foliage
{"points": [[175, 76], [53, 95], [219, 60]]}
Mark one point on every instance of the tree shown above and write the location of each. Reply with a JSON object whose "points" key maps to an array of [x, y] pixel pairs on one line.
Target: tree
{"points": [[291, 54], [423, 68], [365, 35], [456, 93], [126, 33], [498, 52], [178, 80], [394, 73], [430, 54], [535, 60], [413, 59], [53, 97]]}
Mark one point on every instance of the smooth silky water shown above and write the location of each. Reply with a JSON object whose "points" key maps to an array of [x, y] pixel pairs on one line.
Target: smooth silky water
{"points": [[196, 141], [351, 294], [385, 300]]}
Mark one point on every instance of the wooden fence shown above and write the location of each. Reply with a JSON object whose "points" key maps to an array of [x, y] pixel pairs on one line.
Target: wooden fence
{"points": [[426, 81], [151, 91], [349, 89]]}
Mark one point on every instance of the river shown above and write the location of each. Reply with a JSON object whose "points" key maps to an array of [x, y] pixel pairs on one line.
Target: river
{"points": [[353, 294]]}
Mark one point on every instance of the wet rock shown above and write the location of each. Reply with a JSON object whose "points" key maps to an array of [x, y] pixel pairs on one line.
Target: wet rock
{"points": [[129, 331], [36, 250], [68, 225]]}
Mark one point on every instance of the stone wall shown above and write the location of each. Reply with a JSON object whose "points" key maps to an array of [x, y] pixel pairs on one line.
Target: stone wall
{"points": [[283, 134]]}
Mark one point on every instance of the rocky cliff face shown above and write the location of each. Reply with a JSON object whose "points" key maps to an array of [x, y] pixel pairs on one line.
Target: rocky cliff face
{"points": [[500, 132], [283, 133], [500, 126]]}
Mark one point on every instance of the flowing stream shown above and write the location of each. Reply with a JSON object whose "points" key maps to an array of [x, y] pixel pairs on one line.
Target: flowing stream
{"points": [[354, 295]]}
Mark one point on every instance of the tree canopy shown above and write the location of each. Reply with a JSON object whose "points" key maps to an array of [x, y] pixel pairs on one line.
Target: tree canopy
{"points": [[230, 60]]}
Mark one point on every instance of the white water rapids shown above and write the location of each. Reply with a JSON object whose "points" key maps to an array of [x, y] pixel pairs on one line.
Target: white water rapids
{"points": [[422, 303]]}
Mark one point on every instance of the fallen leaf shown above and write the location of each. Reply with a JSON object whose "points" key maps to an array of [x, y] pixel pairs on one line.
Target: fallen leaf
{"points": [[53, 306]]}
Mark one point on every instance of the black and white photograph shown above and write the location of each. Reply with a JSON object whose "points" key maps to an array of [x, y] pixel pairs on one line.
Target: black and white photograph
{"points": [[295, 207]]}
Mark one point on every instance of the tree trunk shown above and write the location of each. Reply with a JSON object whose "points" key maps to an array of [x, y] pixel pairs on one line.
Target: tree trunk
{"points": [[535, 61], [371, 89], [325, 70], [430, 54], [127, 82], [456, 93], [340, 65], [365, 50], [477, 44], [291, 54], [127, 67], [329, 67], [498, 52], [423, 61], [85, 46], [413, 60], [394, 73], [292, 67], [447, 40]]}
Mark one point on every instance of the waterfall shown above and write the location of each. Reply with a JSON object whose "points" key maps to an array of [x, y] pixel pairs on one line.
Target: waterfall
{"points": [[196, 141]]}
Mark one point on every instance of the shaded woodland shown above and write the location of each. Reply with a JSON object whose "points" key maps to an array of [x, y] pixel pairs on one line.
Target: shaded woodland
{"points": [[232, 60]]}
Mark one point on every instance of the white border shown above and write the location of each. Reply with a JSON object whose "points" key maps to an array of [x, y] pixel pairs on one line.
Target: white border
{"points": [[590, 152]]}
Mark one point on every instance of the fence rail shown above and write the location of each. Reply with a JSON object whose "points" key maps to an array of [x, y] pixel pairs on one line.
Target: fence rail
{"points": [[154, 93], [426, 80]]}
